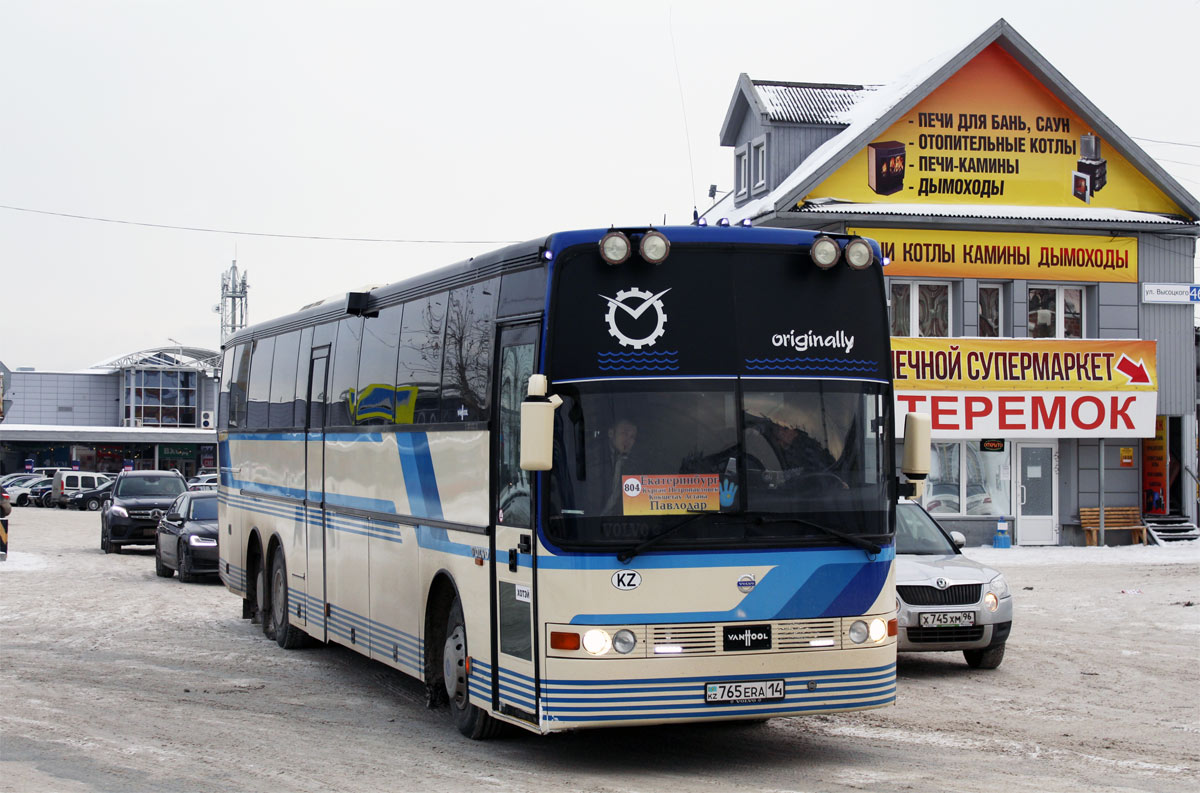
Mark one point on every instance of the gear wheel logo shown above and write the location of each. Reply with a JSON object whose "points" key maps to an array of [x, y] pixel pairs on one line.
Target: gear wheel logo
{"points": [[635, 302]]}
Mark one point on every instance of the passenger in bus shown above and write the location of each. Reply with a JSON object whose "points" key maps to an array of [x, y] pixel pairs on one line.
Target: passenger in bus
{"points": [[787, 453]]}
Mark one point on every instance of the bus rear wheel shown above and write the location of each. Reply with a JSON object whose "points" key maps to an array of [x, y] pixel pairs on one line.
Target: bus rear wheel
{"points": [[277, 621], [470, 720]]}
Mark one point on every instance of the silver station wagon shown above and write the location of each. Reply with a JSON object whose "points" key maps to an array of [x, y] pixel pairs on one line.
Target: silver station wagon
{"points": [[947, 602]]}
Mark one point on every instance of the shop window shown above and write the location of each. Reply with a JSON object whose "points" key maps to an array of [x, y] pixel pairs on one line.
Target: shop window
{"points": [[921, 307], [1055, 312], [965, 480], [991, 322]]}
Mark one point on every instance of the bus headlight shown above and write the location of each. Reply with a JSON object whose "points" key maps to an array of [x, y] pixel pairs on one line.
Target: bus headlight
{"points": [[615, 247], [877, 630], [597, 642], [859, 254], [859, 632], [624, 641], [825, 252], [654, 247]]}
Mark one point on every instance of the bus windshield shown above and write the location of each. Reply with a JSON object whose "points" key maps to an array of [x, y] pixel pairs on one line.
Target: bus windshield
{"points": [[743, 461]]}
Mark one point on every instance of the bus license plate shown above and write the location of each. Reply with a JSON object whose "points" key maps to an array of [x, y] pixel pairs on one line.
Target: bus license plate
{"points": [[745, 692], [947, 619]]}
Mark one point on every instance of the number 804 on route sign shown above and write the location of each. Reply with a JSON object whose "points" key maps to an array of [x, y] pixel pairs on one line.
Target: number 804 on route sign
{"points": [[744, 693]]}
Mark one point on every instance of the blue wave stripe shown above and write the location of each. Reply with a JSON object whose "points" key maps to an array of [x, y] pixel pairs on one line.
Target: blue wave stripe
{"points": [[595, 693], [849, 674], [718, 711]]}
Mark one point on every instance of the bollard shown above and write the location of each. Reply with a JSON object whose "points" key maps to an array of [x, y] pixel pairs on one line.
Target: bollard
{"points": [[1001, 540]]}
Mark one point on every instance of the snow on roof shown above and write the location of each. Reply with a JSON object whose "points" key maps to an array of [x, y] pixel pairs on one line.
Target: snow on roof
{"points": [[809, 103]]}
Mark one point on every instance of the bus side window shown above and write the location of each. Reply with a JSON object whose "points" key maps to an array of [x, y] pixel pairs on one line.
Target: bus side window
{"points": [[419, 368], [345, 372], [281, 414], [237, 389], [300, 406], [470, 326], [258, 393], [375, 398], [226, 382]]}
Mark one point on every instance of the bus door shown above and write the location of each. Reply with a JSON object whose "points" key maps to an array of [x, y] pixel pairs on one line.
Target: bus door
{"points": [[514, 610], [314, 496]]}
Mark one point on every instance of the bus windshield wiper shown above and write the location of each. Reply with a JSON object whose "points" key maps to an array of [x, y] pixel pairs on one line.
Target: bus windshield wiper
{"points": [[859, 542], [624, 556]]}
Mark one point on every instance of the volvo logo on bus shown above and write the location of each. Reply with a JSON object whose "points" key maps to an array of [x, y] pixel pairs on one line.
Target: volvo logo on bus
{"points": [[626, 580], [632, 304]]}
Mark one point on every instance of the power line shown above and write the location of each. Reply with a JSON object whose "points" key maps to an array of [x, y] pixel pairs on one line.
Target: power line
{"points": [[252, 233], [1168, 142]]}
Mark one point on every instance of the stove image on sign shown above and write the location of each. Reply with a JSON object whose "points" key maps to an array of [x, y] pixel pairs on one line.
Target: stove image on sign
{"points": [[1091, 165], [885, 166], [1081, 186]]}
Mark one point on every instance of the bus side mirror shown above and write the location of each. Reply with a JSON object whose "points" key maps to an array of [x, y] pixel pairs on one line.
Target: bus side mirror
{"points": [[915, 465], [537, 426]]}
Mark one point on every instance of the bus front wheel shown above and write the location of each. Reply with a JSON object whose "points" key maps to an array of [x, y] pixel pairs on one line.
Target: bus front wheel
{"points": [[470, 720]]}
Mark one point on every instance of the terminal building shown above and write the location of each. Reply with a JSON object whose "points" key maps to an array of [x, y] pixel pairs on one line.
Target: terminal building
{"points": [[153, 409], [1040, 278]]}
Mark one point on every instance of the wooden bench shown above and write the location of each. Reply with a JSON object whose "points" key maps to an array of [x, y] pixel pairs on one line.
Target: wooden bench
{"points": [[1121, 518]]}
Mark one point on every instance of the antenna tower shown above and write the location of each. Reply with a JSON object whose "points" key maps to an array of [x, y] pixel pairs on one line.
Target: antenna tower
{"points": [[233, 301]]}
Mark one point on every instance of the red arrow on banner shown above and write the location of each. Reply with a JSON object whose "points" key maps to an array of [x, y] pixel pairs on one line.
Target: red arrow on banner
{"points": [[1136, 372]]}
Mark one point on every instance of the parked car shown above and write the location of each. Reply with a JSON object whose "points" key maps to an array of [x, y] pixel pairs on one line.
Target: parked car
{"points": [[20, 494], [68, 483], [12, 480], [139, 500], [40, 495], [93, 499], [186, 538], [947, 602], [204, 482]]}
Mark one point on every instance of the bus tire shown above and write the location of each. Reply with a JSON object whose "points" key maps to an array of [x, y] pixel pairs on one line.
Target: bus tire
{"points": [[470, 720], [276, 618]]}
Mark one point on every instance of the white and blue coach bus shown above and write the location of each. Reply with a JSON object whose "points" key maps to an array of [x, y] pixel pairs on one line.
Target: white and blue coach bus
{"points": [[612, 477]]}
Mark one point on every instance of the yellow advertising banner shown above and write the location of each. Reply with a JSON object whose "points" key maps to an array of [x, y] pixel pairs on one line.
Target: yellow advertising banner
{"points": [[1027, 388], [949, 364], [653, 494], [993, 134], [985, 255]]}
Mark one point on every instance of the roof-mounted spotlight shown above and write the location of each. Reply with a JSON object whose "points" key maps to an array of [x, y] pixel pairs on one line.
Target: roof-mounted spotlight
{"points": [[825, 252], [859, 254], [745, 222], [702, 222], [723, 222], [615, 247], [654, 247]]}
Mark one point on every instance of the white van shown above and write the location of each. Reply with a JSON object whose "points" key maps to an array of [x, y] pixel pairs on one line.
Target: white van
{"points": [[68, 483]]}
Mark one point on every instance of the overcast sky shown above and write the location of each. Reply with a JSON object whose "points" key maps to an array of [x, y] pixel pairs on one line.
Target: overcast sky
{"points": [[453, 122]]}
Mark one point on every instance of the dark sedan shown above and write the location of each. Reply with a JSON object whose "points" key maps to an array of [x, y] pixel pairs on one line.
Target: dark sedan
{"points": [[93, 499], [186, 539]]}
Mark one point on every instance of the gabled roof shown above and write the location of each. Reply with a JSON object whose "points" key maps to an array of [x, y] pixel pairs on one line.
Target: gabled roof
{"points": [[879, 110], [826, 104]]}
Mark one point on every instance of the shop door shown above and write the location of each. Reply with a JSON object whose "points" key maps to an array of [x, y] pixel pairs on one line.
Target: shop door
{"points": [[1037, 494], [514, 673]]}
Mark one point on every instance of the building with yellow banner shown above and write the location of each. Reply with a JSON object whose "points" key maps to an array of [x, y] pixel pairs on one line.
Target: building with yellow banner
{"points": [[1018, 226]]}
